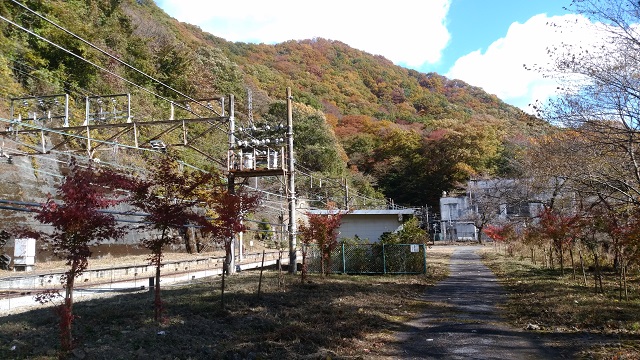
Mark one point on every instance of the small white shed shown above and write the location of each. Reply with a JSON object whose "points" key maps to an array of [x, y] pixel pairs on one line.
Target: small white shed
{"points": [[369, 224]]}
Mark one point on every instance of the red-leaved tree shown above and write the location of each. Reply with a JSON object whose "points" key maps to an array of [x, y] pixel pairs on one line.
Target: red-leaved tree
{"points": [[323, 231], [78, 221], [501, 234], [169, 199], [561, 229], [227, 210]]}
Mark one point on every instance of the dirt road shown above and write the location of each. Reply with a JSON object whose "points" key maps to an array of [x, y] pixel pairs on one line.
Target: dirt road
{"points": [[463, 321]]}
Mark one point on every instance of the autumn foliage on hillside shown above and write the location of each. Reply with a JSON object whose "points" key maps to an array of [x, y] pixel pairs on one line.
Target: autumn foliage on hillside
{"points": [[444, 129]]}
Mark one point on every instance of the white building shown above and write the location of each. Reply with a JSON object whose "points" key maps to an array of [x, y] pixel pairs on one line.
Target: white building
{"points": [[453, 212], [370, 224], [492, 200]]}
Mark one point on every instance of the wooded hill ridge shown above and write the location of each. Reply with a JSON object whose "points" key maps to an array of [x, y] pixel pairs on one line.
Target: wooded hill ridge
{"points": [[389, 131]]}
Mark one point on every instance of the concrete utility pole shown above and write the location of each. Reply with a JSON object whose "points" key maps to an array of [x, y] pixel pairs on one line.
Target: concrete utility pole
{"points": [[231, 183], [291, 194]]}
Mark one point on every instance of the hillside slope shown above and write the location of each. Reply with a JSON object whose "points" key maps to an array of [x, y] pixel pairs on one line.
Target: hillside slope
{"points": [[387, 130]]}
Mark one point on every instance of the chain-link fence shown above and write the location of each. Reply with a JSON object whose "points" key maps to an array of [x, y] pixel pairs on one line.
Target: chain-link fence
{"points": [[372, 259]]}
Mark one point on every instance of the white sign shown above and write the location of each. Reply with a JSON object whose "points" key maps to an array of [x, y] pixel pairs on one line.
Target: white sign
{"points": [[415, 248], [24, 251]]}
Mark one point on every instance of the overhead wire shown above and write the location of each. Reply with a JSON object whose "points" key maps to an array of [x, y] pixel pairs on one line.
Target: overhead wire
{"points": [[216, 126], [107, 54], [104, 52], [78, 90], [84, 59], [107, 71], [337, 183]]}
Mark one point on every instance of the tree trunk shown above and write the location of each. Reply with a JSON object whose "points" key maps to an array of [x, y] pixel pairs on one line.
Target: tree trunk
{"points": [[280, 275], [620, 286], [624, 280], [66, 311], [596, 275], [584, 274], [573, 265], [157, 302], [303, 273], [261, 271], [224, 271], [184, 232], [561, 255], [533, 255]]}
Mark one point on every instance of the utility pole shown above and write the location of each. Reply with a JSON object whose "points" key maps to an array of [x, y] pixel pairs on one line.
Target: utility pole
{"points": [[346, 193], [291, 193], [231, 180]]}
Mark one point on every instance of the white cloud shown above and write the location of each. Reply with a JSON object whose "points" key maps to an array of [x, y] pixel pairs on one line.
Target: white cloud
{"points": [[500, 71], [407, 32]]}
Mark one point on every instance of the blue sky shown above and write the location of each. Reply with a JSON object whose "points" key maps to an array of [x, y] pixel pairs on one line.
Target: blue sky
{"points": [[482, 42], [476, 24]]}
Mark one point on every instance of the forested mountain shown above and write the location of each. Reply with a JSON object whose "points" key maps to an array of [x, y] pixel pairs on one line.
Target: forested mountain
{"points": [[387, 130]]}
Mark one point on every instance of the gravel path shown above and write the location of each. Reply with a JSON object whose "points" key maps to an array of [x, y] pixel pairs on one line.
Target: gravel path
{"points": [[463, 321]]}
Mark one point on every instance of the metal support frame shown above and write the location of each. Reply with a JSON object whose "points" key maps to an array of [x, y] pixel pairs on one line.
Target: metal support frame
{"points": [[96, 118]]}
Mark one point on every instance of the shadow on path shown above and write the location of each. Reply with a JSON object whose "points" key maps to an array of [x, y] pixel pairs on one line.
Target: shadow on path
{"points": [[463, 322]]}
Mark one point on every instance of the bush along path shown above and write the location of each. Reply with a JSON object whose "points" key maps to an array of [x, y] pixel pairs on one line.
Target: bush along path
{"points": [[462, 320]]}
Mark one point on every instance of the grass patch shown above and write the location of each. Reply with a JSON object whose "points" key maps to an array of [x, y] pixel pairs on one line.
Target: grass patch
{"points": [[604, 326], [335, 317]]}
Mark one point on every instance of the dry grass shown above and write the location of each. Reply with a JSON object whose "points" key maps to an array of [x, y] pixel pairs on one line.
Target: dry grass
{"points": [[338, 317], [601, 325]]}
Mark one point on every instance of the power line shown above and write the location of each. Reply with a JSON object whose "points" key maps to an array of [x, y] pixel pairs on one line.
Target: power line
{"points": [[88, 61], [80, 91], [104, 52], [131, 82]]}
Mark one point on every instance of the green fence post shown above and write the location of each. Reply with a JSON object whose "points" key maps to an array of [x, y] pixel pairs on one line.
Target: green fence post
{"points": [[424, 251], [384, 261], [344, 264]]}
